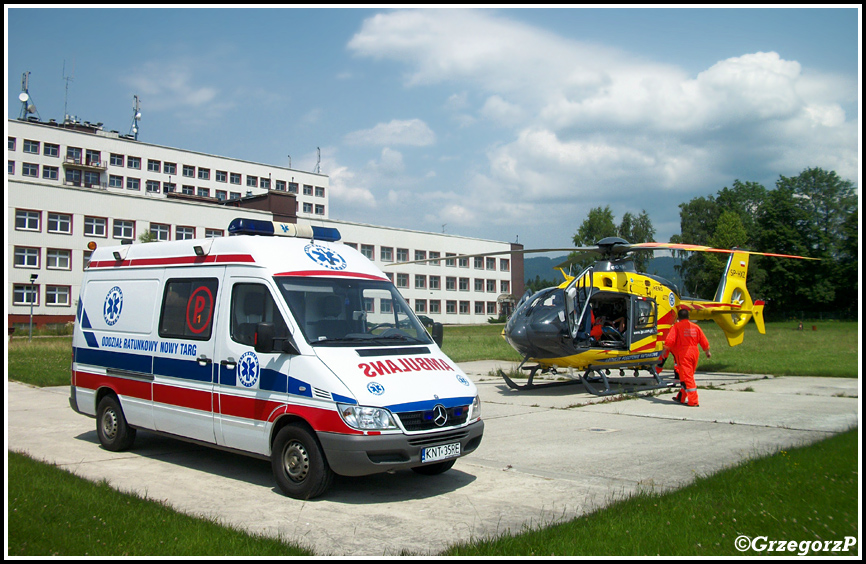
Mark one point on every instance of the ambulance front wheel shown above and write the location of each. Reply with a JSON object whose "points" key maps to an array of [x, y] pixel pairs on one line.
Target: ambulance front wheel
{"points": [[299, 464], [111, 427]]}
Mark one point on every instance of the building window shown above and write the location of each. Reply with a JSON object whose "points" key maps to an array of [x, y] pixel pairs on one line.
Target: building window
{"points": [[91, 178], [182, 232], [504, 265], [479, 263], [491, 286], [234, 178], [490, 263], [95, 226], [221, 176], [25, 294], [308, 190], [86, 260], [51, 150], [265, 183], [27, 220], [386, 305], [434, 255], [124, 229], [221, 195], [73, 155], [31, 147], [420, 306], [368, 251], [464, 307], [479, 284], [203, 173], [504, 287], [450, 306], [94, 158], [57, 295], [58, 259], [435, 283], [435, 307], [479, 308], [420, 255], [386, 254], [420, 282], [234, 195], [353, 245], [153, 186], [308, 207], [491, 308], [73, 176], [203, 192], [464, 285], [189, 171], [320, 192], [30, 169], [168, 187], [210, 233], [187, 189], [10, 167], [10, 144], [60, 223], [169, 168], [451, 283], [50, 172], [133, 183], [115, 160], [320, 209], [463, 262], [252, 181], [293, 187], [402, 280], [133, 162], [153, 166], [402, 255], [26, 257], [449, 261], [161, 231], [281, 185]]}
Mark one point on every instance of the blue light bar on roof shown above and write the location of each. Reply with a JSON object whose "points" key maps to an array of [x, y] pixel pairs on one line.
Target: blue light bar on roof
{"points": [[243, 226]]}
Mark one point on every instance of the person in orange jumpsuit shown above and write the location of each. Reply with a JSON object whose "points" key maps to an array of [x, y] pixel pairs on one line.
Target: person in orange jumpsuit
{"points": [[683, 341]]}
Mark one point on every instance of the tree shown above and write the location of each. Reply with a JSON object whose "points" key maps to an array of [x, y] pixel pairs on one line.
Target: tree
{"points": [[638, 230], [147, 237], [599, 223]]}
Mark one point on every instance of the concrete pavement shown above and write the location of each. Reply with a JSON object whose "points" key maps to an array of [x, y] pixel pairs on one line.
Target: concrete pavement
{"points": [[547, 455]]}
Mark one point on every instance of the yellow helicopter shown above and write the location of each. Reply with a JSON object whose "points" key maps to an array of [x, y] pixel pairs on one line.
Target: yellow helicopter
{"points": [[612, 317]]}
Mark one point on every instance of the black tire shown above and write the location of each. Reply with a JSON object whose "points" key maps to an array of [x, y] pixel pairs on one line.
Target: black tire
{"points": [[434, 469], [113, 431], [299, 464]]}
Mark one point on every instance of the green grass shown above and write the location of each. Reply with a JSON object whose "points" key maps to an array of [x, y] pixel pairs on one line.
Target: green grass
{"points": [[803, 494], [463, 343], [46, 361], [52, 512]]}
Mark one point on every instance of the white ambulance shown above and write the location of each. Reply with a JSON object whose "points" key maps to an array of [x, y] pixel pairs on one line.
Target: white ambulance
{"points": [[277, 342]]}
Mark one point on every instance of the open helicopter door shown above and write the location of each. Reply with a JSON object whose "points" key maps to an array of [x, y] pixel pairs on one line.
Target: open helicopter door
{"points": [[643, 324]]}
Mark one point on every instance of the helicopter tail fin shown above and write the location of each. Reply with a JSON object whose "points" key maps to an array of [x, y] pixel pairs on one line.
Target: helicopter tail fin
{"points": [[732, 306]]}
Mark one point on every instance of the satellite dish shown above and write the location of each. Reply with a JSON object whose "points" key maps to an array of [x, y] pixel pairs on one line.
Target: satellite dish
{"points": [[23, 96], [138, 115], [31, 108]]}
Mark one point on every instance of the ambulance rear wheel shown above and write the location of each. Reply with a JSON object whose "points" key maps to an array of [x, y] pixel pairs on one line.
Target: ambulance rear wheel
{"points": [[111, 427], [299, 464], [434, 469]]}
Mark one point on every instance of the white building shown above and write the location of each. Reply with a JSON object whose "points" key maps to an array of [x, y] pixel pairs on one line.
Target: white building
{"points": [[71, 184]]}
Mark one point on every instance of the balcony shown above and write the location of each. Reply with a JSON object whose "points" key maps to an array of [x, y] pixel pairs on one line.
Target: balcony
{"points": [[85, 164]]}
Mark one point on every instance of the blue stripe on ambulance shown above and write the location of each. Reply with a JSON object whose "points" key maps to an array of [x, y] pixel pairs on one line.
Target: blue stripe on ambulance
{"points": [[430, 404]]}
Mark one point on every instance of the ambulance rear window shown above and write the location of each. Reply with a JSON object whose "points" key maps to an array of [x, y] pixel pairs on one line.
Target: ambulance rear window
{"points": [[187, 308]]}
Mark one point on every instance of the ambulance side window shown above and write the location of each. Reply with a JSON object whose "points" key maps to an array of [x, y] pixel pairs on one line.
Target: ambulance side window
{"points": [[253, 304], [188, 308]]}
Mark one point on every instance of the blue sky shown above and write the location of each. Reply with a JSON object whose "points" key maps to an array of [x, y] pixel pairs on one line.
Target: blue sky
{"points": [[496, 123]]}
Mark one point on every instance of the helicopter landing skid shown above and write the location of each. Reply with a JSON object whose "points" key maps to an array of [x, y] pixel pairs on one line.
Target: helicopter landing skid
{"points": [[590, 376]]}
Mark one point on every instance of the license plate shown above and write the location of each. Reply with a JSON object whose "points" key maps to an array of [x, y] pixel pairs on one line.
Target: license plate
{"points": [[441, 452]]}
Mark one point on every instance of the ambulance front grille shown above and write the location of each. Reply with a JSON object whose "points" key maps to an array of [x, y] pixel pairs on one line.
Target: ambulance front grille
{"points": [[425, 420]]}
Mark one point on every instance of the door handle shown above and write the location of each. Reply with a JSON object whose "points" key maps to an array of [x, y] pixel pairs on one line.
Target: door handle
{"points": [[203, 360], [229, 363]]}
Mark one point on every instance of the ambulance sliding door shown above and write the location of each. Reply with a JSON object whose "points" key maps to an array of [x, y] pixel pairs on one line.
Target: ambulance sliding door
{"points": [[183, 364], [250, 385]]}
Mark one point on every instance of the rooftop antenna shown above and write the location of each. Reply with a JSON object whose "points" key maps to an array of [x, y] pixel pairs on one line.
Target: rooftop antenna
{"points": [[318, 160], [290, 160], [136, 115], [68, 79], [27, 105]]}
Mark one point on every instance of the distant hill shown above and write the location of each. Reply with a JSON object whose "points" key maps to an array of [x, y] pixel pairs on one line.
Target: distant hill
{"points": [[543, 268]]}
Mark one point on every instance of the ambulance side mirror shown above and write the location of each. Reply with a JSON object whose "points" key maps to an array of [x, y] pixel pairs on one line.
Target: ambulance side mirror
{"points": [[438, 334], [266, 341]]}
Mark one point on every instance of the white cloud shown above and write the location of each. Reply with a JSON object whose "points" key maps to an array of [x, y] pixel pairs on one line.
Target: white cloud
{"points": [[500, 111], [396, 132]]}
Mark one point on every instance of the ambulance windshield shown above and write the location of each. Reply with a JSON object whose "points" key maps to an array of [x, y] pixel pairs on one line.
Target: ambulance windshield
{"points": [[349, 312]]}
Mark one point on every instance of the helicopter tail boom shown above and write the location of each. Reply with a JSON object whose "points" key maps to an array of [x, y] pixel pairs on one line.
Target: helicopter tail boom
{"points": [[732, 306]]}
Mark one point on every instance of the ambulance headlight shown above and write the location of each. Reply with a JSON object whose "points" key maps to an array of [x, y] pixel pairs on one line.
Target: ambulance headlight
{"points": [[366, 418], [474, 410]]}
